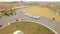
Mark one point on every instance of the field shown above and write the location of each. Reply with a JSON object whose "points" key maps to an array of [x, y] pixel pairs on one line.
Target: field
{"points": [[7, 4], [27, 28], [43, 11]]}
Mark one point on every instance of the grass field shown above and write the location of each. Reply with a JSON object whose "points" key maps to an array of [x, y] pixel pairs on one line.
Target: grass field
{"points": [[27, 28], [7, 4], [42, 11]]}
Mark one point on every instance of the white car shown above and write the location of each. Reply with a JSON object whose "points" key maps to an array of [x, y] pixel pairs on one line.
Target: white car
{"points": [[32, 16]]}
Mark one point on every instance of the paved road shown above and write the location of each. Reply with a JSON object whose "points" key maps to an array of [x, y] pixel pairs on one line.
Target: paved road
{"points": [[20, 15]]}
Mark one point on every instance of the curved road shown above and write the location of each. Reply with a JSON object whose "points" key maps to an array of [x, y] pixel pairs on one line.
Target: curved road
{"points": [[53, 25]]}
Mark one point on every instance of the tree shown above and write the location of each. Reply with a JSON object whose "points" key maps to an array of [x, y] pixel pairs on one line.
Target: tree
{"points": [[6, 13]]}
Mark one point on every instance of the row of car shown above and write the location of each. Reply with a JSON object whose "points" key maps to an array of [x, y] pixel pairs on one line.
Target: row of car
{"points": [[32, 16]]}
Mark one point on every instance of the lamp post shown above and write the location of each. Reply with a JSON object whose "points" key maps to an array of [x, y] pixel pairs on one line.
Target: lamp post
{"points": [[57, 13]]}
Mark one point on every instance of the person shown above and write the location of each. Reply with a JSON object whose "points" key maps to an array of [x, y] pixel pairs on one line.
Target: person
{"points": [[0, 25], [22, 19], [53, 18], [16, 19], [57, 13], [15, 13], [0, 16]]}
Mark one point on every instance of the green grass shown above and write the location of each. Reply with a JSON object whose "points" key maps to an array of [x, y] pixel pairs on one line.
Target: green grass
{"points": [[56, 8], [27, 28]]}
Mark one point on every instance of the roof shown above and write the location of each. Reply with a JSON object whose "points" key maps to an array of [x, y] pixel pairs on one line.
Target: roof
{"points": [[7, 7]]}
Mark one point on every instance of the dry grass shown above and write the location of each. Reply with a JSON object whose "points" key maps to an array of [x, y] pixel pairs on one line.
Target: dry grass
{"points": [[27, 28], [7, 4], [42, 11]]}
